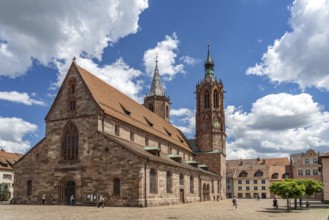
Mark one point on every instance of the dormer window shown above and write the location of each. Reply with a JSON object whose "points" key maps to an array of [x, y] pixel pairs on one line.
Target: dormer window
{"points": [[148, 122], [243, 174], [258, 173], [167, 132]]}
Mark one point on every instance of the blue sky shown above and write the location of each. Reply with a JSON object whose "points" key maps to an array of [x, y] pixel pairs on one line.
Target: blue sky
{"points": [[270, 55]]}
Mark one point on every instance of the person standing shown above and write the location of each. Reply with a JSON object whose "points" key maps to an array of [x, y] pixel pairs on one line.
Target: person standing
{"points": [[275, 203], [43, 199], [235, 202], [72, 200], [101, 202]]}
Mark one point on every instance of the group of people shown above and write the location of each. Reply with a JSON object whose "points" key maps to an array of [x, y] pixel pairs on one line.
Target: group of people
{"points": [[72, 200], [235, 202]]}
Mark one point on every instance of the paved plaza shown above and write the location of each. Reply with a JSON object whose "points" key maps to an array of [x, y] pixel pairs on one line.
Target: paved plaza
{"points": [[247, 209]]}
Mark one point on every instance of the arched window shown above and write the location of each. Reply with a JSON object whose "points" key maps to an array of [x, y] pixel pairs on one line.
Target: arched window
{"points": [[116, 187], [151, 108], [167, 111], [216, 105], [168, 182], [70, 145], [243, 174], [307, 161], [206, 100], [191, 184], [275, 176], [153, 181], [29, 187], [181, 179], [258, 173], [315, 160]]}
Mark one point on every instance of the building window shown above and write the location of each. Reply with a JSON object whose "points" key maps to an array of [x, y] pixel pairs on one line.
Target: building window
{"points": [[29, 187], [132, 136], [315, 160], [300, 173], [247, 181], [146, 141], [70, 144], [216, 99], [263, 187], [212, 186], [307, 172], [206, 100], [7, 177], [255, 188], [315, 172], [239, 181], [275, 176], [168, 182], [263, 182], [167, 111], [151, 108], [240, 188], [258, 173], [255, 181], [307, 161], [247, 187], [181, 179], [191, 184], [243, 174], [116, 187], [72, 105], [153, 181], [116, 130], [228, 187]]}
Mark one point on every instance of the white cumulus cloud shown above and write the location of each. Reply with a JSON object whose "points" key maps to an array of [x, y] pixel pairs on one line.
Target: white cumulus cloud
{"points": [[22, 98], [166, 51], [189, 60], [184, 119], [300, 56], [12, 133], [52, 32], [277, 125]]}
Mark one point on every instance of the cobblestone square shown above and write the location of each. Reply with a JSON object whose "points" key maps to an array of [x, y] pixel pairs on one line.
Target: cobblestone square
{"points": [[247, 209]]}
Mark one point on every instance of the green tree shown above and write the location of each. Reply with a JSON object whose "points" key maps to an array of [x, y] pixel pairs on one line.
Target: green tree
{"points": [[311, 186], [288, 189]]}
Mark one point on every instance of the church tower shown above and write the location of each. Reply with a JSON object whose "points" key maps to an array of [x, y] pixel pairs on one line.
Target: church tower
{"points": [[156, 101], [210, 118], [210, 124]]}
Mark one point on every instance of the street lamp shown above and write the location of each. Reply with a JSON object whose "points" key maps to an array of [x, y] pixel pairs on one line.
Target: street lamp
{"points": [[287, 195]]}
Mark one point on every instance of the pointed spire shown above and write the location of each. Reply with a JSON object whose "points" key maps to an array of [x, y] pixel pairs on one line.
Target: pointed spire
{"points": [[209, 64], [156, 87]]}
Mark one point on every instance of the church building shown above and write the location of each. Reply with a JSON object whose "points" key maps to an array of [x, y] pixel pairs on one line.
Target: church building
{"points": [[99, 141]]}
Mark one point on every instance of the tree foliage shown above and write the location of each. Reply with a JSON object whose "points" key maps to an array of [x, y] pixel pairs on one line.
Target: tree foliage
{"points": [[290, 188]]}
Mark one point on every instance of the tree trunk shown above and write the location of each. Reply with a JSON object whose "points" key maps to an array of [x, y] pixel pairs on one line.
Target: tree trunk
{"points": [[300, 202], [295, 203]]}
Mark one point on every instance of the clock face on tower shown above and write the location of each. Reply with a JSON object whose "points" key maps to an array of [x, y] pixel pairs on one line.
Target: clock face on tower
{"points": [[216, 124]]}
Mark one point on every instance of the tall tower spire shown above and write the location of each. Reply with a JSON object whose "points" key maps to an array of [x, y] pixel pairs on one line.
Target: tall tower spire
{"points": [[156, 87], [209, 64], [156, 101]]}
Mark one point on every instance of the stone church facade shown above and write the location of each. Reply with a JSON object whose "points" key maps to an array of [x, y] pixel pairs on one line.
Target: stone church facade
{"points": [[98, 141]]}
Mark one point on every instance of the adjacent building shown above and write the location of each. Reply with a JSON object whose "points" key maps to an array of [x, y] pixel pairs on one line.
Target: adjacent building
{"points": [[99, 141], [324, 161], [7, 160], [251, 178]]}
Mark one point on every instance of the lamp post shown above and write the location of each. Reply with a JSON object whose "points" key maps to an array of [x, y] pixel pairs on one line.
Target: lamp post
{"points": [[287, 195]]}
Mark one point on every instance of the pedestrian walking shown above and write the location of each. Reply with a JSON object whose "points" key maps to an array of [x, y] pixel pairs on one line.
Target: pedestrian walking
{"points": [[275, 203], [101, 202], [43, 199], [72, 200], [235, 202]]}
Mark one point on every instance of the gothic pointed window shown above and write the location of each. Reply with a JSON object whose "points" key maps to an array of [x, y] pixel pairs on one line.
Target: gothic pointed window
{"points": [[153, 181], [70, 144], [116, 187], [191, 184], [168, 182], [71, 99], [216, 105], [29, 187], [167, 111], [150, 107], [206, 100]]}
